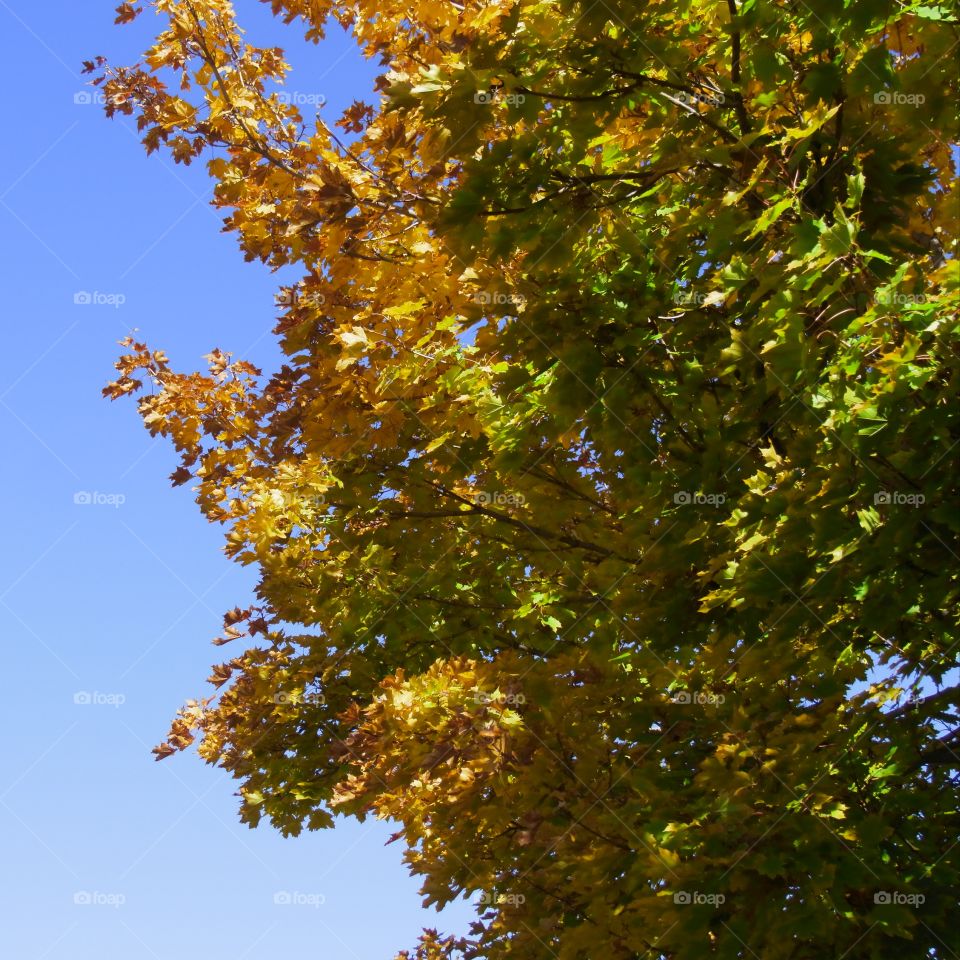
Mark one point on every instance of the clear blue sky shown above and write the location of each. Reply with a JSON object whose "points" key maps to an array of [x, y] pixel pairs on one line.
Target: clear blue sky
{"points": [[119, 601]]}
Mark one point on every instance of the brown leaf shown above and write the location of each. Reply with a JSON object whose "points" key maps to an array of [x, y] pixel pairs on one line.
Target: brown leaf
{"points": [[162, 751], [180, 476], [127, 12]]}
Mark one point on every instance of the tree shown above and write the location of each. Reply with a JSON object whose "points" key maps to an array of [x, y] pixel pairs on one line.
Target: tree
{"points": [[604, 508]]}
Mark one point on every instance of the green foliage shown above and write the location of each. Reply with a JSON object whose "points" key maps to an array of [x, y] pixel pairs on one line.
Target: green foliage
{"points": [[606, 507]]}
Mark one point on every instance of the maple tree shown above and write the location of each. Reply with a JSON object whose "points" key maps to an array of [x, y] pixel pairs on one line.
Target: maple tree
{"points": [[604, 508]]}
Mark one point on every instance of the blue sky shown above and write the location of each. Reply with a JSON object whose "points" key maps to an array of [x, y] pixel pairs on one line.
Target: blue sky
{"points": [[112, 604]]}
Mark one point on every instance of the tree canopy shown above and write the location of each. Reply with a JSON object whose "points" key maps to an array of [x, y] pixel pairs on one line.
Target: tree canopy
{"points": [[605, 506]]}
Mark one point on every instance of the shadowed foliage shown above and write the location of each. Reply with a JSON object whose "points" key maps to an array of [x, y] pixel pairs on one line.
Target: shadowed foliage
{"points": [[605, 508]]}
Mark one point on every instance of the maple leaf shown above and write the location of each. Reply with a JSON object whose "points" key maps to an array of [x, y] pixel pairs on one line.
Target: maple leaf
{"points": [[127, 12], [180, 476]]}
